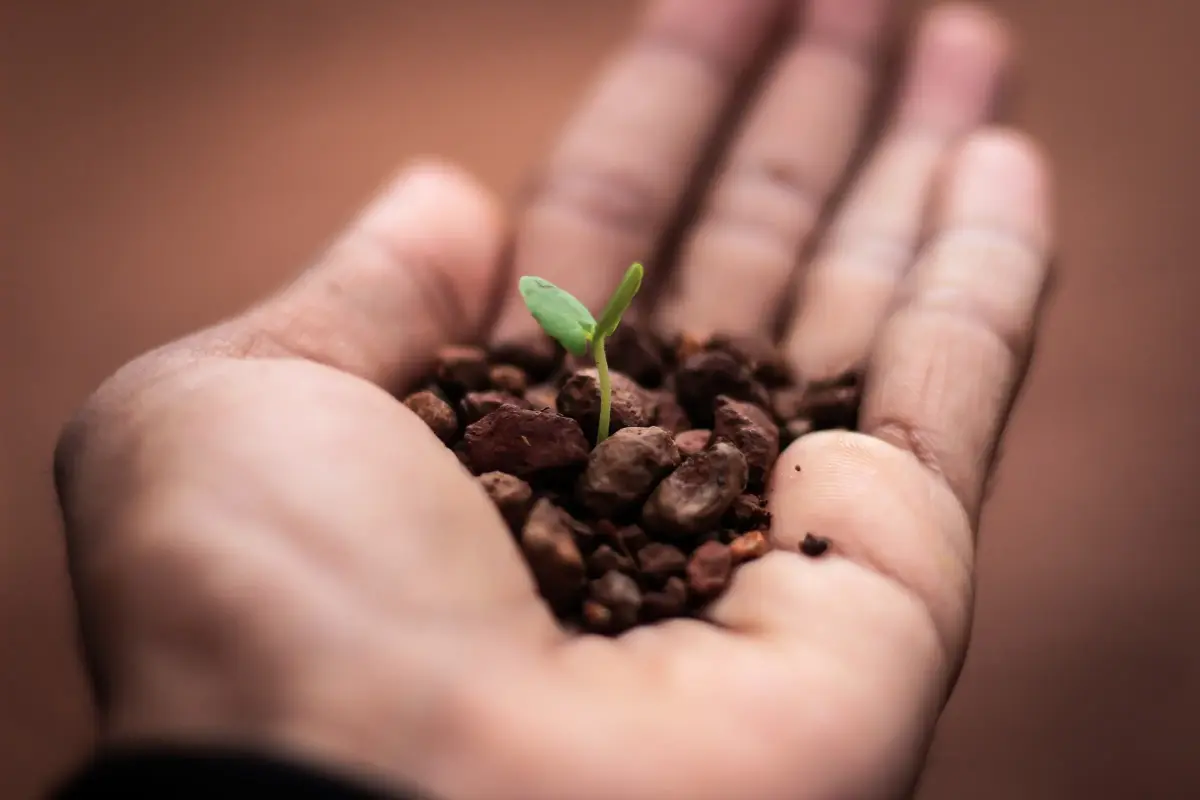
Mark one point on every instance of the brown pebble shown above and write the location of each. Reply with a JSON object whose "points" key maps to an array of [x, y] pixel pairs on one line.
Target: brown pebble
{"points": [[814, 546], [636, 351], [461, 368], [434, 412], [706, 376], [626, 538], [668, 414], [521, 442], [620, 594], [579, 399], [825, 405], [511, 496], [787, 403], [695, 496], [658, 560], [623, 470], [537, 355], [748, 428], [604, 559], [692, 442], [508, 378], [833, 407], [476, 405], [553, 555], [687, 344], [671, 601], [748, 512], [749, 546], [543, 397], [793, 430], [709, 569], [764, 359], [597, 618]]}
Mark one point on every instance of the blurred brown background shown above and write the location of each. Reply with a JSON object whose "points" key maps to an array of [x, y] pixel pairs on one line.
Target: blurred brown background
{"points": [[166, 161]]}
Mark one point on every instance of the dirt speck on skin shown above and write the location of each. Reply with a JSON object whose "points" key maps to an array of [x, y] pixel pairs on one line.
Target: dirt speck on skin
{"points": [[653, 523], [814, 546]]}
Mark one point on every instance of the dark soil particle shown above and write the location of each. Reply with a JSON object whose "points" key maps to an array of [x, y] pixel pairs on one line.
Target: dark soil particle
{"points": [[653, 523], [814, 546]]}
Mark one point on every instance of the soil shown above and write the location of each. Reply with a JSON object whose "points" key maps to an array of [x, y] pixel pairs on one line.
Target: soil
{"points": [[653, 523]]}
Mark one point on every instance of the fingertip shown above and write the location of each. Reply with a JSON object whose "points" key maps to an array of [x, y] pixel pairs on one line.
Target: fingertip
{"points": [[1001, 178], [968, 27], [960, 60], [437, 208]]}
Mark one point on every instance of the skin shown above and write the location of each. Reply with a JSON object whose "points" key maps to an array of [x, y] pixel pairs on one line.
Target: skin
{"points": [[269, 550]]}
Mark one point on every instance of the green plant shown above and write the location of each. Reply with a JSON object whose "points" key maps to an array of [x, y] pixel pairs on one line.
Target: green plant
{"points": [[569, 322]]}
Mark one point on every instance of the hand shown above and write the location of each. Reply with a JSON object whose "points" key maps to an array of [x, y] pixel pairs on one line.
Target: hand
{"points": [[268, 549]]}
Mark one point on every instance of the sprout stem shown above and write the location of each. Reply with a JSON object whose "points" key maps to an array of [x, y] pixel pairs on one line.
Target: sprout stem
{"points": [[605, 388]]}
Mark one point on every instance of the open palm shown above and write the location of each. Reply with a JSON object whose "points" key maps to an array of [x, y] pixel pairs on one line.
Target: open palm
{"points": [[269, 549]]}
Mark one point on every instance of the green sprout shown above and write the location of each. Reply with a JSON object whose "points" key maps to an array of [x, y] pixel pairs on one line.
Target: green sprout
{"points": [[569, 322]]}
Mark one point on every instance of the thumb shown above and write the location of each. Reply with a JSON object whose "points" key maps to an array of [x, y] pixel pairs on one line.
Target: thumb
{"points": [[415, 271], [886, 608]]}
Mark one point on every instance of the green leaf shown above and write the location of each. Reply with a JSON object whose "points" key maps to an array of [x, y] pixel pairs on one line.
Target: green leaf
{"points": [[561, 316], [620, 301]]}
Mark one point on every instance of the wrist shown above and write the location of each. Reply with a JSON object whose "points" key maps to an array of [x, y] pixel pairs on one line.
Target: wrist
{"points": [[390, 729]]}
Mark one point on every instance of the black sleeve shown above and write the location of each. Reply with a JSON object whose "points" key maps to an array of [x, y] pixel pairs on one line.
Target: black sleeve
{"points": [[210, 774]]}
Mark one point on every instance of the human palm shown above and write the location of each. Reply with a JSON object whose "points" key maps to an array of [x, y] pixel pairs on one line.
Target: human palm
{"points": [[268, 549]]}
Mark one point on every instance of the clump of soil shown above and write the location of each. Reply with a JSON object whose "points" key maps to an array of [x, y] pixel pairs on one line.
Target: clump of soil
{"points": [[652, 523]]}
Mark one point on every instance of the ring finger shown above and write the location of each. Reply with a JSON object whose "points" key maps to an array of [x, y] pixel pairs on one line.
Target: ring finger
{"points": [[734, 275]]}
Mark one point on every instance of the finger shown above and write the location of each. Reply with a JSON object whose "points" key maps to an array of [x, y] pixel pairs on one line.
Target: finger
{"points": [[951, 88], [411, 274], [890, 599], [779, 174], [950, 360], [867, 640], [624, 161]]}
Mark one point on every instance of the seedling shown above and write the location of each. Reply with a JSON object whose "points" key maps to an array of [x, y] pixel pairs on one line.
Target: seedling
{"points": [[569, 323]]}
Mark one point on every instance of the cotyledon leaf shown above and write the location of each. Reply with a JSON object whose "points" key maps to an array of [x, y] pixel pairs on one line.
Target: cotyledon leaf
{"points": [[561, 316], [618, 304]]}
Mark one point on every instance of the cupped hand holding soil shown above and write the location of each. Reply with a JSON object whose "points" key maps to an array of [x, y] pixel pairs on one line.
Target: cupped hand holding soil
{"points": [[695, 491]]}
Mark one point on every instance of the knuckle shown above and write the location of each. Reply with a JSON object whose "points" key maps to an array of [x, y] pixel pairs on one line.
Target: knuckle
{"points": [[616, 199], [776, 199]]}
